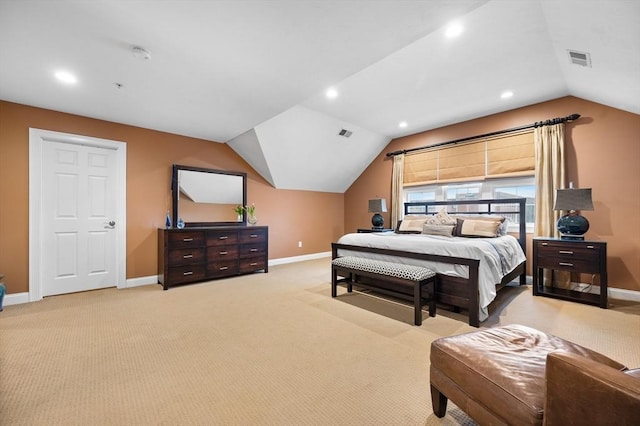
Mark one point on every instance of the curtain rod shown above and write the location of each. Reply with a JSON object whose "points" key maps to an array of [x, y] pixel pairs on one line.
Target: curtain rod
{"points": [[550, 122]]}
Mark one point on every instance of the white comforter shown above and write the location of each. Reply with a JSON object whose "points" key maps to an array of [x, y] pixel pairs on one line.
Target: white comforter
{"points": [[498, 256]]}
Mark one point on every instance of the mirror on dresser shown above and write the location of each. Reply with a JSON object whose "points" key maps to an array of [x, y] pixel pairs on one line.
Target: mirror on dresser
{"points": [[215, 243], [207, 197]]}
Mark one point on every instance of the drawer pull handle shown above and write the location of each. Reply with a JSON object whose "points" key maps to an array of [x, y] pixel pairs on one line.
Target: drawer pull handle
{"points": [[565, 264], [590, 247], [187, 256], [187, 273], [253, 249], [545, 244], [224, 252], [254, 264], [223, 237], [224, 268], [565, 252], [187, 240], [254, 235]]}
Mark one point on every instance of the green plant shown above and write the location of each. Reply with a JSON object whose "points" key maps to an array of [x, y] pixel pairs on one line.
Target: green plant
{"points": [[239, 210], [250, 209]]}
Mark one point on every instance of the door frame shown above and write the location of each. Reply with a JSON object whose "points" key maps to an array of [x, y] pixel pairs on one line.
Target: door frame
{"points": [[37, 137]]}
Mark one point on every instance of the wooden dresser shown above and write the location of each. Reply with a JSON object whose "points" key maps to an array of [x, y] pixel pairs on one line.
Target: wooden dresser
{"points": [[197, 254]]}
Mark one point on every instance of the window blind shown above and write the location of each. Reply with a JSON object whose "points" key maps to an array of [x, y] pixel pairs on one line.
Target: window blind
{"points": [[504, 156]]}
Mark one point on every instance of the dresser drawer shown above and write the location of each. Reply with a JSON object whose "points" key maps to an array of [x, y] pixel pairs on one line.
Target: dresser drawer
{"points": [[251, 264], [222, 237], [253, 235], [215, 253], [222, 268], [186, 256], [188, 273], [186, 239], [251, 250]]}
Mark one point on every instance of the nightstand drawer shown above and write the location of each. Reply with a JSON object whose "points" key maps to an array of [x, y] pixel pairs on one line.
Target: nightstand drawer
{"points": [[569, 252], [567, 263]]}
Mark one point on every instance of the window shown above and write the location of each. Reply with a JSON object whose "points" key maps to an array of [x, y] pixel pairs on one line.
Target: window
{"points": [[514, 187]]}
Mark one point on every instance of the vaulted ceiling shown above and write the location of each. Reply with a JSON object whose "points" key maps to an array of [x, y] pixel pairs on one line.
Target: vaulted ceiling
{"points": [[254, 74]]}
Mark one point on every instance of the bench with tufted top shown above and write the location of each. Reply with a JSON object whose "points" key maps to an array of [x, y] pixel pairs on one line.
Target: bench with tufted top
{"points": [[415, 283]]}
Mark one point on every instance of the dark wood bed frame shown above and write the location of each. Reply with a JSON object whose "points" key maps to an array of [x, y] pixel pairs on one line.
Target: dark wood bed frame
{"points": [[460, 293]]}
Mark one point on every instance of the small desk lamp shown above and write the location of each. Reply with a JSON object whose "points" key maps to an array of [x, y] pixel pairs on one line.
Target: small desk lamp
{"points": [[377, 206], [572, 226]]}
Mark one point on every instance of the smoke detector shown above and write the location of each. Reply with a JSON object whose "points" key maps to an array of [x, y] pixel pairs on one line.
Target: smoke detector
{"points": [[141, 53], [579, 58], [344, 132]]}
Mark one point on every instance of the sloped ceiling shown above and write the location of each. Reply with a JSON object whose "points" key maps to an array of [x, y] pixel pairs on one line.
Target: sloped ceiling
{"points": [[254, 73]]}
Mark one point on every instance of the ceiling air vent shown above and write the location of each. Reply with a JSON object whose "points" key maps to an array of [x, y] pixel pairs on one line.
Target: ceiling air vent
{"points": [[579, 58], [344, 132]]}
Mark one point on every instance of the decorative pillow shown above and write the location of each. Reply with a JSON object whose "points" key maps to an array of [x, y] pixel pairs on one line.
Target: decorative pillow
{"points": [[412, 224], [443, 230], [476, 228], [441, 218]]}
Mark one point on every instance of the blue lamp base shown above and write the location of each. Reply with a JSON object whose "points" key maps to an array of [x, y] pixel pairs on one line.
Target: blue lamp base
{"points": [[572, 226], [377, 221]]}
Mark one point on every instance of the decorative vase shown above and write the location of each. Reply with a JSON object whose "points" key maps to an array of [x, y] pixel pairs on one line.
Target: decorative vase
{"points": [[167, 221], [252, 219], [180, 223], [239, 218]]}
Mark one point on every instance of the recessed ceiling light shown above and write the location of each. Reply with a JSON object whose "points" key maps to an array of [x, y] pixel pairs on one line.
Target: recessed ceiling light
{"points": [[66, 77], [402, 124], [331, 93], [453, 30], [507, 94]]}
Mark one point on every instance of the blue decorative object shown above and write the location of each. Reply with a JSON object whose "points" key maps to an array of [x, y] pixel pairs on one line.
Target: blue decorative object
{"points": [[180, 223], [3, 290], [572, 226], [167, 221]]}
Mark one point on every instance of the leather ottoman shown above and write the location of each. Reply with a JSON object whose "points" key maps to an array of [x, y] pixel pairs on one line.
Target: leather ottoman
{"points": [[497, 375]]}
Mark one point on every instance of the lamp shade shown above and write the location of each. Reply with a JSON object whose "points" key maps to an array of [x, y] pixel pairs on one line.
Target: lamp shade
{"points": [[573, 199], [378, 205]]}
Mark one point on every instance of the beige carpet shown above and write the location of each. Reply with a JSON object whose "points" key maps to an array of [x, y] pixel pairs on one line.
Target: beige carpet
{"points": [[263, 349]]}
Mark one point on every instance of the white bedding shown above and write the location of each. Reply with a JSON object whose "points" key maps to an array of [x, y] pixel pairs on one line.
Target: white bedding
{"points": [[498, 256]]}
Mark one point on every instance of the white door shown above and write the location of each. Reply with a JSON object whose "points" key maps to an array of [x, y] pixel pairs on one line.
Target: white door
{"points": [[77, 213], [79, 218]]}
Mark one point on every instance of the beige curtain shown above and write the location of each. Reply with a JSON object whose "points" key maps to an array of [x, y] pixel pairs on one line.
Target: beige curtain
{"points": [[397, 203], [550, 175]]}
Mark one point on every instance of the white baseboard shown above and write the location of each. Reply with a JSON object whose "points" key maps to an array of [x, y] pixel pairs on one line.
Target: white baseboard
{"points": [[623, 294], [302, 258], [137, 282], [15, 298]]}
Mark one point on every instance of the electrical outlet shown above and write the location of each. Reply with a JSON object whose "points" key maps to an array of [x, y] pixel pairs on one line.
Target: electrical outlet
{"points": [[299, 243]]}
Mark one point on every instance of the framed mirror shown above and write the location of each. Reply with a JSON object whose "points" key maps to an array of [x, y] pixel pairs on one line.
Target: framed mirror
{"points": [[208, 197]]}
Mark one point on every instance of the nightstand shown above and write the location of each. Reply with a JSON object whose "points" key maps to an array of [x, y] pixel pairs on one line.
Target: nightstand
{"points": [[365, 230], [582, 257]]}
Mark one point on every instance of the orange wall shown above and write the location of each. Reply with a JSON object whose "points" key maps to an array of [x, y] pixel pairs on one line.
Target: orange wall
{"points": [[314, 218], [602, 153]]}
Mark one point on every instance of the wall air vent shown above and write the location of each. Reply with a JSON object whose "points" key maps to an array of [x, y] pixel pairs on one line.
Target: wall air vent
{"points": [[579, 58], [344, 132]]}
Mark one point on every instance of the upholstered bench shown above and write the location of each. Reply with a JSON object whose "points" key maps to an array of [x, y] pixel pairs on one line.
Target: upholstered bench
{"points": [[409, 282], [497, 376]]}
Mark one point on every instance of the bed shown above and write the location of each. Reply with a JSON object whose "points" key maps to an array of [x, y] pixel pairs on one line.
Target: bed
{"points": [[470, 271]]}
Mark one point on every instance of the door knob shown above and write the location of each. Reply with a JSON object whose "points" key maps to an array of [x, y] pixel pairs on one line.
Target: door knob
{"points": [[111, 224]]}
